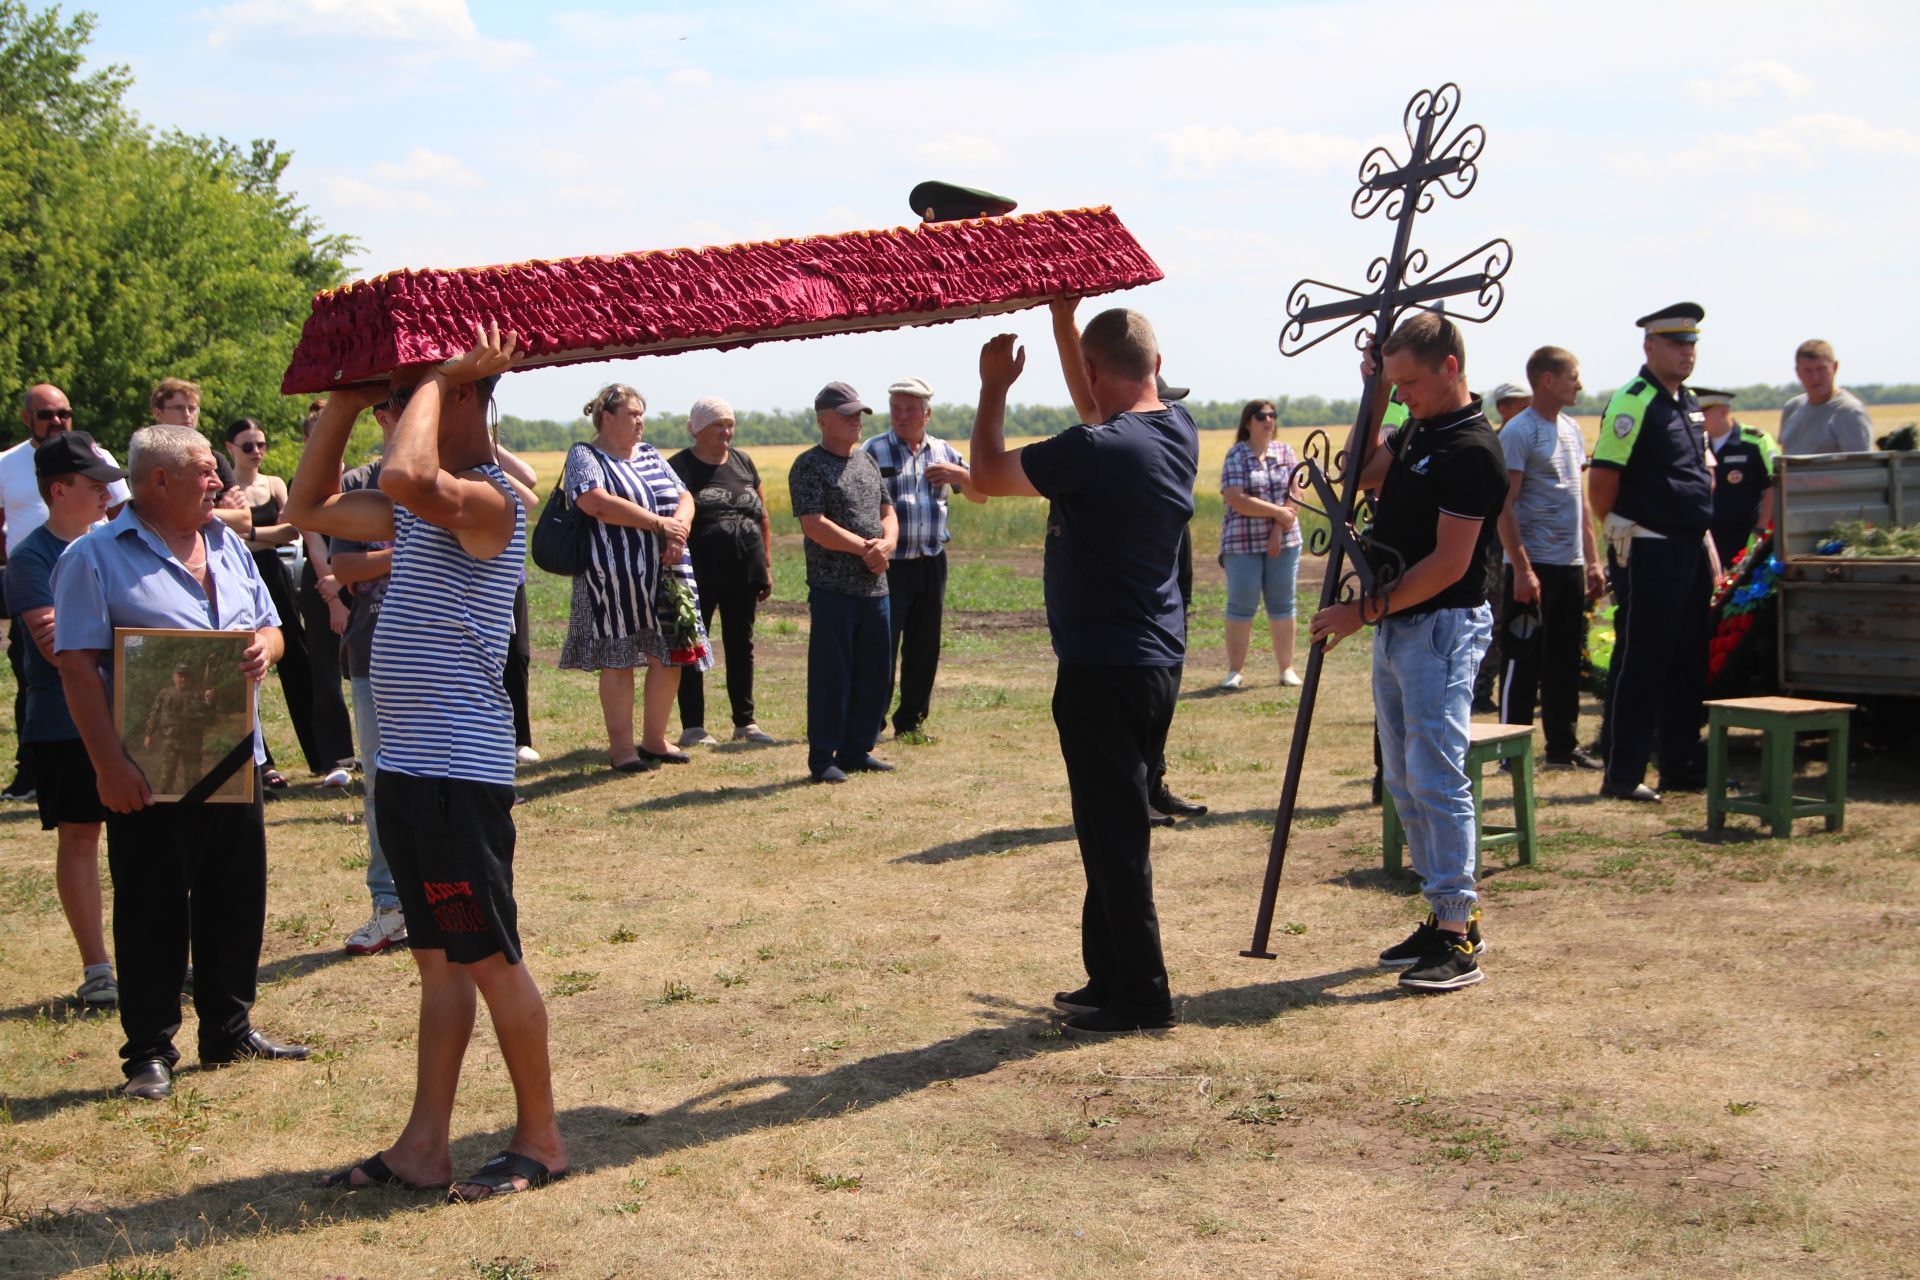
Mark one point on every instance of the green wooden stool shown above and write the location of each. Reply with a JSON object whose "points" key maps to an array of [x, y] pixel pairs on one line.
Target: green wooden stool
{"points": [[1486, 743], [1781, 720]]}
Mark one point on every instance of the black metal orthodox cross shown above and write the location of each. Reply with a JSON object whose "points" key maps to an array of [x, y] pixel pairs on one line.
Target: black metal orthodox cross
{"points": [[1436, 155]]}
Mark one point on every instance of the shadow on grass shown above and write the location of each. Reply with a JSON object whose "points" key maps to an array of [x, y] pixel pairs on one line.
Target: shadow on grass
{"points": [[719, 794], [577, 770], [600, 1137], [1008, 839]]}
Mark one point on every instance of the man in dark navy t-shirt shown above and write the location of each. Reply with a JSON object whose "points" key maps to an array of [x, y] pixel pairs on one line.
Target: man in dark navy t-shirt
{"points": [[1442, 481], [1122, 493]]}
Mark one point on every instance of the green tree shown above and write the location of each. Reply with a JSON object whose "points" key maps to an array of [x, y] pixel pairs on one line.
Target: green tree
{"points": [[130, 255]]}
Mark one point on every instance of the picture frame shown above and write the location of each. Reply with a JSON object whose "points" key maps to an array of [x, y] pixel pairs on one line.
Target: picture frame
{"points": [[184, 710]]}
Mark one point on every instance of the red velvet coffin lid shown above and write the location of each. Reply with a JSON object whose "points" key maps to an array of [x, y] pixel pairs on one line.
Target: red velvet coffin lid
{"points": [[579, 309]]}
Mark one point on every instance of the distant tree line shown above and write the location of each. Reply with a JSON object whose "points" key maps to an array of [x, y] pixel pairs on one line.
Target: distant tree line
{"points": [[951, 421]]}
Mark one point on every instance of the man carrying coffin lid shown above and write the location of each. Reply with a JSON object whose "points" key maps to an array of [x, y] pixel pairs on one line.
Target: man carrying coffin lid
{"points": [[447, 750], [187, 875]]}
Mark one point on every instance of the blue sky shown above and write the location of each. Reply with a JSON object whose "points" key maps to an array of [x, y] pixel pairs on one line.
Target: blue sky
{"points": [[1762, 159]]}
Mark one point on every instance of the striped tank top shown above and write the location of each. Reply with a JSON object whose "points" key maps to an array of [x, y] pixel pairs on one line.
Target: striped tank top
{"points": [[439, 649]]}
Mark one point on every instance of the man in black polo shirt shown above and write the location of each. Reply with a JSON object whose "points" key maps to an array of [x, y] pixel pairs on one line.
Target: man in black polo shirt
{"points": [[1442, 481], [1651, 486], [1122, 492]]}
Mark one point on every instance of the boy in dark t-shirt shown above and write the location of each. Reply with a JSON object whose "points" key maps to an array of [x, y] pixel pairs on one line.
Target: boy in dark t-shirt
{"points": [[1442, 481]]}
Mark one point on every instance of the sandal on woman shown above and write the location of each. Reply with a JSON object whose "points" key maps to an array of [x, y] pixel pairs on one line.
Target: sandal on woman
{"points": [[374, 1169], [497, 1177], [642, 765], [273, 779], [669, 756]]}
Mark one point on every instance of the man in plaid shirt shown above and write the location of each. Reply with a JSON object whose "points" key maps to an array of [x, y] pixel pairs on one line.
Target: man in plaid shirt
{"points": [[918, 471]]}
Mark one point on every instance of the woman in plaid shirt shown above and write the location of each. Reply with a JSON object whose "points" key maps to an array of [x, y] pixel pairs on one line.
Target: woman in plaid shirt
{"points": [[1259, 540]]}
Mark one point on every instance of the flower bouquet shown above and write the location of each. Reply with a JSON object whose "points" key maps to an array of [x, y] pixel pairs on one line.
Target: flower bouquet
{"points": [[687, 642]]}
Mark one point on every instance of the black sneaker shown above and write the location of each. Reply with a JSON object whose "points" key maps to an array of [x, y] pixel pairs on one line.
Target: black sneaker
{"points": [[19, 789], [1448, 965], [1428, 935], [1101, 1022], [1080, 1001]]}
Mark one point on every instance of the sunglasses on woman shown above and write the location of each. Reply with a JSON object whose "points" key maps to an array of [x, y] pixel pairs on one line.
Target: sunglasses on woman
{"points": [[253, 446]]}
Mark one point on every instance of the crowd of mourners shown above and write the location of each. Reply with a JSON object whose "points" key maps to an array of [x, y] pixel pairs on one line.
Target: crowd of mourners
{"points": [[391, 601]]}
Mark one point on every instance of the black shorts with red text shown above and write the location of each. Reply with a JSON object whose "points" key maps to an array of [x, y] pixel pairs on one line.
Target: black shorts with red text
{"points": [[63, 778], [449, 843]]}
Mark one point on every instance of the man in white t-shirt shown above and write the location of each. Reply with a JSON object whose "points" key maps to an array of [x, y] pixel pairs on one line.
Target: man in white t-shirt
{"points": [[1826, 418], [1552, 568], [45, 411]]}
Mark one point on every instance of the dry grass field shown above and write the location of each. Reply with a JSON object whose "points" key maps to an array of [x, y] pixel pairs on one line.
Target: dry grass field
{"points": [[804, 1032]]}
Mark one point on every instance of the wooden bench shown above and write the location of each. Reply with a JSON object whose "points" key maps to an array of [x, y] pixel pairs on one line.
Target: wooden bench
{"points": [[1780, 721], [1486, 744]]}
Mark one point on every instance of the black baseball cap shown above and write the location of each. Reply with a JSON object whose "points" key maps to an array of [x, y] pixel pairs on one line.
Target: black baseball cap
{"points": [[71, 454], [841, 398], [1166, 391]]}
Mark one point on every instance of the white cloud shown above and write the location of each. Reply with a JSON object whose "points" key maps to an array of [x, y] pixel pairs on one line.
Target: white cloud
{"points": [[1200, 150], [1801, 145], [439, 26], [428, 169], [960, 151], [357, 193], [566, 164], [808, 125], [691, 78], [1749, 81]]}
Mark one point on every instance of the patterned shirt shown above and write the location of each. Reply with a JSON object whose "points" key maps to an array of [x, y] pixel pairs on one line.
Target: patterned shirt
{"points": [[920, 507], [1265, 478], [440, 648], [849, 492], [623, 571]]}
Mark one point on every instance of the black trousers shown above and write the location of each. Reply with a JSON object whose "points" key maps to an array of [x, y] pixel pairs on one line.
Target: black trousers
{"points": [[917, 591], [186, 878], [1157, 761], [735, 597], [1659, 674], [1546, 664], [1493, 662], [519, 664], [296, 674], [332, 732], [1112, 723], [17, 643]]}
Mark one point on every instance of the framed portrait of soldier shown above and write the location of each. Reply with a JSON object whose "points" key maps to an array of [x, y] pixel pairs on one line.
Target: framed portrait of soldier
{"points": [[185, 712]]}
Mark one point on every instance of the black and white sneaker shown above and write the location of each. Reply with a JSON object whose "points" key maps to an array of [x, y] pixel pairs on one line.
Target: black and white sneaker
{"points": [[1429, 934], [1447, 966]]}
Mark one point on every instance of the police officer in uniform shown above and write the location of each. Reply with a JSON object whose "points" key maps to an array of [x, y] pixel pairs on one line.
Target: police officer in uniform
{"points": [[1742, 477], [1651, 485]]}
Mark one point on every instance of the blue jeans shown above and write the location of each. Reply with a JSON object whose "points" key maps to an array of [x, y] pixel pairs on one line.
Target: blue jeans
{"points": [[847, 676], [1251, 576], [1423, 668], [367, 728]]}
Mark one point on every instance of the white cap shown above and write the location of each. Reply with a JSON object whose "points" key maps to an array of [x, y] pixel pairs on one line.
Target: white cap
{"points": [[1506, 391], [911, 387], [706, 411]]}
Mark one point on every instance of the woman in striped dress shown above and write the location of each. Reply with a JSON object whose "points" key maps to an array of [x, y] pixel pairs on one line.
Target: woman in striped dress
{"points": [[624, 611]]}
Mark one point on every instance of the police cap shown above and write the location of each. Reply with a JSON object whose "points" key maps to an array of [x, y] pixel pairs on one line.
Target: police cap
{"points": [[947, 202], [1681, 321], [1710, 399]]}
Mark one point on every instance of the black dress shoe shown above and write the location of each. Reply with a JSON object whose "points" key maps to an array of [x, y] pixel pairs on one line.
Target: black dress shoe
{"points": [[255, 1045], [1158, 819], [1169, 803], [150, 1079]]}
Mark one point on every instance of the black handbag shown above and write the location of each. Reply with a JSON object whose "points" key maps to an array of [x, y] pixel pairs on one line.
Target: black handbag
{"points": [[562, 541]]}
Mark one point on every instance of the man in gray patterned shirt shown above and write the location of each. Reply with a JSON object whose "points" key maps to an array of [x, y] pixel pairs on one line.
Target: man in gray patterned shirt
{"points": [[851, 531]]}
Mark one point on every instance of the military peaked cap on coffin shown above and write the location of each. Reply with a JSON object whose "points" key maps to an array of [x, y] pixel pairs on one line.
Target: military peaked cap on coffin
{"points": [[1681, 321], [574, 310], [946, 202], [1709, 399]]}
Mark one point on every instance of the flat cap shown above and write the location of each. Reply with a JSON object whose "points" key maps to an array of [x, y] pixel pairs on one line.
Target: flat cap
{"points": [[1506, 391], [911, 387]]}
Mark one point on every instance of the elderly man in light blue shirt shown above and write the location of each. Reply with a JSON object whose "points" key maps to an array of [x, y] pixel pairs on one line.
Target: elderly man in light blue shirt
{"points": [[186, 875]]}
